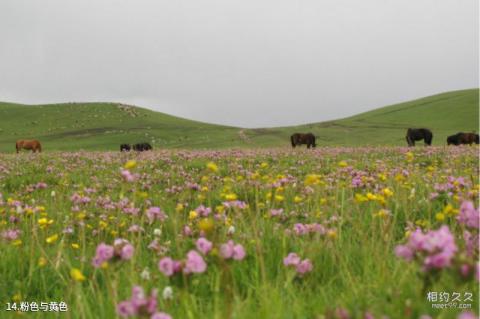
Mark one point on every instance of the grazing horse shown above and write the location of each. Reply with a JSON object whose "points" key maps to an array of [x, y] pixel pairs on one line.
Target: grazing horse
{"points": [[140, 147], [463, 138], [417, 134], [33, 145], [300, 138], [125, 147]]}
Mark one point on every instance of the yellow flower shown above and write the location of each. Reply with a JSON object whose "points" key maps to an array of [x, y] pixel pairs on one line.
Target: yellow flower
{"points": [[279, 198], [371, 196], [75, 246], [51, 239], [359, 198], [387, 192], [179, 208], [204, 189], [17, 242], [44, 222], [231, 197], [440, 217], [323, 201], [332, 233], [17, 297], [212, 167], [409, 156], [204, 179], [382, 213], [342, 164], [192, 215], [312, 179], [264, 165], [42, 261], [382, 177], [206, 224], [130, 164], [77, 275], [297, 199]]}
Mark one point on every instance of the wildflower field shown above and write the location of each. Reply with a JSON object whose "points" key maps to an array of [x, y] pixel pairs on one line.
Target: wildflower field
{"points": [[277, 233]]}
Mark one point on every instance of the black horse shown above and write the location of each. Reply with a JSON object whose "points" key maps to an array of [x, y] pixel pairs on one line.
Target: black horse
{"points": [[125, 147], [463, 138], [417, 134], [140, 147], [300, 138]]}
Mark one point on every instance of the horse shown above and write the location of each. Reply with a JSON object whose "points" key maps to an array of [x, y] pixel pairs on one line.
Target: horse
{"points": [[417, 134], [463, 138], [140, 147], [33, 145], [300, 138], [125, 147]]}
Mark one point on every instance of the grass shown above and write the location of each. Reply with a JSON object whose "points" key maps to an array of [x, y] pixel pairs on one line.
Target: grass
{"points": [[104, 126], [355, 267]]}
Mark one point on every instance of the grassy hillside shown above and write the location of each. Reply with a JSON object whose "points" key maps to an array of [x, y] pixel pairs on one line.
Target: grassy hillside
{"points": [[103, 126], [444, 114]]}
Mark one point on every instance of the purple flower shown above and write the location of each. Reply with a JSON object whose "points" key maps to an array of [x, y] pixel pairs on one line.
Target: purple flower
{"points": [[125, 309], [467, 315], [166, 266], [127, 252], [304, 266], [469, 216], [238, 252], [194, 263], [291, 260], [437, 247], [203, 245], [226, 250], [160, 315], [103, 253], [155, 213]]}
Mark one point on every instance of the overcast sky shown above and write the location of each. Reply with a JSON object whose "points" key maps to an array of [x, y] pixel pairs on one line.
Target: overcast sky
{"points": [[250, 63]]}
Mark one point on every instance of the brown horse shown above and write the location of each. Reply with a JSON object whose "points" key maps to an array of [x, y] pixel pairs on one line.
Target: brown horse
{"points": [[33, 145], [300, 138], [463, 138]]}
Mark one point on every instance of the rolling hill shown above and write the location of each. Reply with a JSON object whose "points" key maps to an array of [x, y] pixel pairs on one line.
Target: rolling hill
{"points": [[103, 126]]}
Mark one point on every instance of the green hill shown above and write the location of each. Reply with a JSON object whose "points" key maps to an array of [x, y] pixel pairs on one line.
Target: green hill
{"points": [[104, 126]]}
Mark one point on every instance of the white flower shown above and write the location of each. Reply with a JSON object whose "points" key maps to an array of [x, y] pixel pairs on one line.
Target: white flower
{"points": [[145, 275], [53, 194], [231, 230], [167, 293], [157, 232]]}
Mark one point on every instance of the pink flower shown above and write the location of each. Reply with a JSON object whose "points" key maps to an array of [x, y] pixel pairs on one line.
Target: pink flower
{"points": [[160, 315], [467, 315], [404, 252], [125, 309], [436, 247], [226, 250], [203, 245], [238, 252], [139, 303], [127, 252], [194, 263], [304, 266], [291, 260], [155, 213], [469, 216], [232, 250], [166, 266], [103, 253]]}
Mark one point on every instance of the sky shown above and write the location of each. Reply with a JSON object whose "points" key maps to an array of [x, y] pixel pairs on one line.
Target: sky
{"points": [[247, 63]]}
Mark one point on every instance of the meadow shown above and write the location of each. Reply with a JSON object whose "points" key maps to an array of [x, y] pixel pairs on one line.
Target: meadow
{"points": [[335, 232]]}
